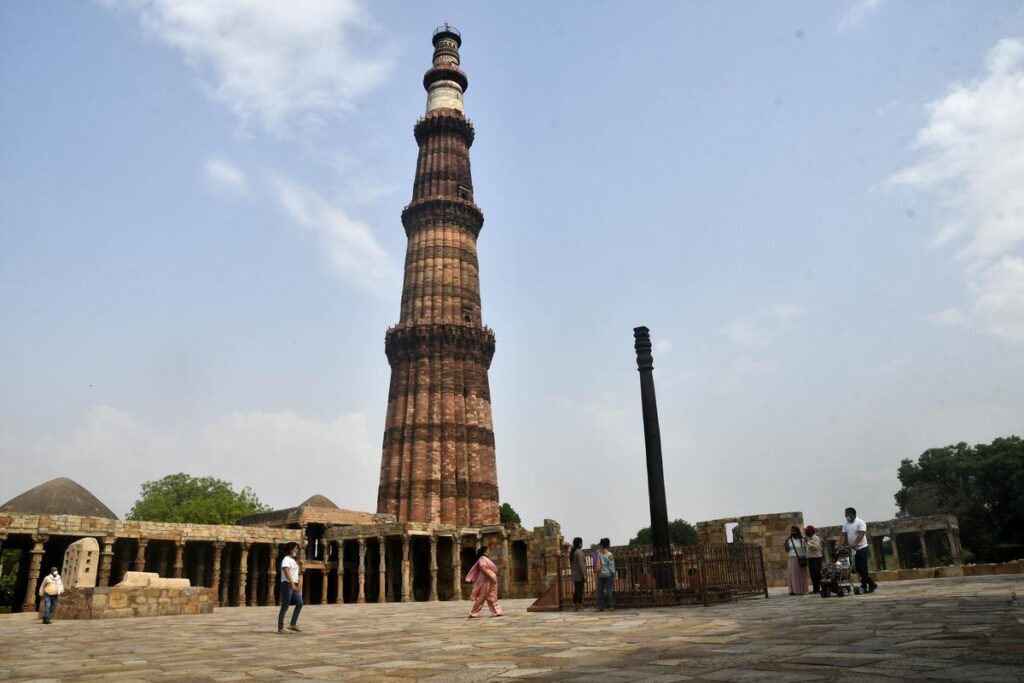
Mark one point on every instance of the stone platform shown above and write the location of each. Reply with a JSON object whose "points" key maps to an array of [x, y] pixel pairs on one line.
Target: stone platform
{"points": [[955, 629]]}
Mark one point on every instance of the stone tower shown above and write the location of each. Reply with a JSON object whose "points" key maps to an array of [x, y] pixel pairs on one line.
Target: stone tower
{"points": [[438, 455]]}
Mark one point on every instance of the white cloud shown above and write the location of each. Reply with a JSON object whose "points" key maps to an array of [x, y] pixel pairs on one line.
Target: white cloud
{"points": [[949, 317], [270, 62], [786, 312], [284, 457], [662, 347], [858, 14], [224, 178], [973, 157], [351, 249], [744, 332]]}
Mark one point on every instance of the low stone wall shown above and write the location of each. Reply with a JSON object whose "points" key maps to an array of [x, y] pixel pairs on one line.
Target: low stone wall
{"points": [[133, 601], [1015, 567]]}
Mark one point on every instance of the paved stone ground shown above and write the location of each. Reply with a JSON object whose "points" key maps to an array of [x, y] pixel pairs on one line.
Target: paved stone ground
{"points": [[945, 630]]}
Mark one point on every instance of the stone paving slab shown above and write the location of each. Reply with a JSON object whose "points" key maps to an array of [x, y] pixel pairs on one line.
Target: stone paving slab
{"points": [[958, 629]]}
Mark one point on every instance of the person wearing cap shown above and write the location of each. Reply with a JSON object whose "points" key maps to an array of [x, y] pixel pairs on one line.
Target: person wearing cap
{"points": [[814, 544]]}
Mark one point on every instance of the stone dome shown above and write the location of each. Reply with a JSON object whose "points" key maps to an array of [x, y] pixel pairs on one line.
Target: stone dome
{"points": [[60, 496], [318, 501]]}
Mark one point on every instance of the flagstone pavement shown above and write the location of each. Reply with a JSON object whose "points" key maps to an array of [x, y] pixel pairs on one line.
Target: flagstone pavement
{"points": [[943, 630]]}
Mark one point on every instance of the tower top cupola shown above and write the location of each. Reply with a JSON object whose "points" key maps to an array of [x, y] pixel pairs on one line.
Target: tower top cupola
{"points": [[445, 82]]}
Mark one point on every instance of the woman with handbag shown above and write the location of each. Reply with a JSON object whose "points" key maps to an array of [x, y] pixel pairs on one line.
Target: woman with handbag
{"points": [[797, 569]]}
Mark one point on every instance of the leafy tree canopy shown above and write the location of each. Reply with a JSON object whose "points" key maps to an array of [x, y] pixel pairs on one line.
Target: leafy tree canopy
{"points": [[680, 533], [509, 515], [983, 485], [200, 500]]}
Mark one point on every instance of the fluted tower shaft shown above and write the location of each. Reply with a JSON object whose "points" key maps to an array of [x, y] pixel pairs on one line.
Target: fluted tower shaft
{"points": [[438, 455]]}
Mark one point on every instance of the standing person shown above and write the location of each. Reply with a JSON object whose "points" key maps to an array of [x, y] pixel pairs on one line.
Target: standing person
{"points": [[578, 565], [49, 590], [484, 577], [814, 546], [290, 592], [605, 570], [855, 535], [797, 567]]}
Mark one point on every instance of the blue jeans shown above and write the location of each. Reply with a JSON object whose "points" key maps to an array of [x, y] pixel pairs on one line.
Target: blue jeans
{"points": [[605, 590], [49, 605], [288, 596]]}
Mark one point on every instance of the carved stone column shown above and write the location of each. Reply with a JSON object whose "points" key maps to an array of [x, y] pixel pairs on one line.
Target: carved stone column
{"points": [[140, 555], [457, 566], [218, 549], [406, 573], [179, 558], [34, 567], [362, 571], [895, 551], [106, 561], [243, 573], [272, 577], [924, 549], [506, 562], [433, 568], [340, 598], [381, 596]]}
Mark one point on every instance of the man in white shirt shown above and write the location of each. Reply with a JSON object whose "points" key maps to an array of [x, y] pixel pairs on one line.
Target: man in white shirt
{"points": [[855, 536], [290, 592], [50, 590]]}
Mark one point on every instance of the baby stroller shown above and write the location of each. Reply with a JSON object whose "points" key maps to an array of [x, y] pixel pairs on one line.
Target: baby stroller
{"points": [[835, 578]]}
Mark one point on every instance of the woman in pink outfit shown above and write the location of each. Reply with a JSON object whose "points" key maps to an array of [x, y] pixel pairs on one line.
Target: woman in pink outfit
{"points": [[484, 577]]}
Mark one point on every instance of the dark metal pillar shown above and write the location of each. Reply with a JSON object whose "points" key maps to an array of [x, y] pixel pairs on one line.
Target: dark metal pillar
{"points": [[664, 575]]}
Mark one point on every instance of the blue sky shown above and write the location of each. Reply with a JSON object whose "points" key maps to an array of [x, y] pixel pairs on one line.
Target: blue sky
{"points": [[815, 207]]}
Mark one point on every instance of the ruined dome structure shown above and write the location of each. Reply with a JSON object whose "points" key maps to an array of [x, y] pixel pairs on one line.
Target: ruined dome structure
{"points": [[318, 501], [60, 496]]}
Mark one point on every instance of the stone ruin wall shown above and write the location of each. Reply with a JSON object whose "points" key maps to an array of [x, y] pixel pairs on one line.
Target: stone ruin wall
{"points": [[769, 531]]}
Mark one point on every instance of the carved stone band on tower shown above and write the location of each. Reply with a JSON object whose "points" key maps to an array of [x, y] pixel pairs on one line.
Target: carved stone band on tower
{"points": [[438, 460]]}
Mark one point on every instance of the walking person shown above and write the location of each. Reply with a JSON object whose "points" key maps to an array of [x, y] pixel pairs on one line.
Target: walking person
{"points": [[605, 570], [855, 535], [484, 577], [50, 590], [578, 566], [290, 592], [814, 547], [797, 567]]}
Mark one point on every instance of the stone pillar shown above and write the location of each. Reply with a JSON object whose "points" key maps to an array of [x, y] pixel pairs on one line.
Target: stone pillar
{"points": [[140, 555], [340, 598], [954, 552], [34, 567], [457, 566], [218, 549], [924, 549], [362, 571], [433, 568], [243, 573], [381, 593], [272, 577], [106, 561], [506, 561], [201, 565], [894, 544], [179, 558], [958, 555], [406, 570]]}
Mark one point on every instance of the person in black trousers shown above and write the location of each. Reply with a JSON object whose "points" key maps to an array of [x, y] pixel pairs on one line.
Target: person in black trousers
{"points": [[578, 565], [814, 545]]}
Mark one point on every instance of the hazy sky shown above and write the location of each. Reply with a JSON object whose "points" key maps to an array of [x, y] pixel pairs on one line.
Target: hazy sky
{"points": [[817, 208]]}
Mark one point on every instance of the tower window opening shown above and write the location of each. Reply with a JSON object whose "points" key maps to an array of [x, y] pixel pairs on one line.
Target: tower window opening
{"points": [[467, 314], [465, 192]]}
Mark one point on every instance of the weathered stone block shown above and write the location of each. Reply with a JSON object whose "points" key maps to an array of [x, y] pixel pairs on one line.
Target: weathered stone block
{"points": [[950, 571]]}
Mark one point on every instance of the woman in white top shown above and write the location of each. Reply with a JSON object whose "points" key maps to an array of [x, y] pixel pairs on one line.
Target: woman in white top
{"points": [[797, 568]]}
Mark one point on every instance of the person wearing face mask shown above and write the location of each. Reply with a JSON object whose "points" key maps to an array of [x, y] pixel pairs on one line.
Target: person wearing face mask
{"points": [[855, 535], [49, 590]]}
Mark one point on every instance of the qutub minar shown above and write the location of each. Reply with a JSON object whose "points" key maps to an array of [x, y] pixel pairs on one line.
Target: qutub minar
{"points": [[438, 460]]}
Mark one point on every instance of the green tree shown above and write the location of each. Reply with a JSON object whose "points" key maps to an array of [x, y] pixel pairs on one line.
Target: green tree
{"points": [[983, 485], [680, 533], [509, 515], [200, 500]]}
